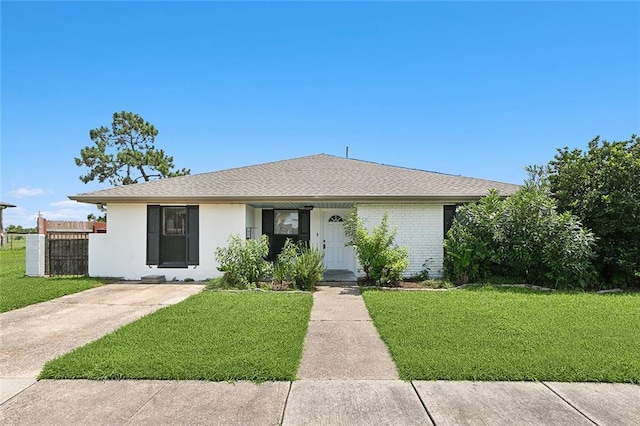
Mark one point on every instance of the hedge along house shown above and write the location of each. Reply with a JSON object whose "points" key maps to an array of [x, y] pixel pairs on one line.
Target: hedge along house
{"points": [[173, 226]]}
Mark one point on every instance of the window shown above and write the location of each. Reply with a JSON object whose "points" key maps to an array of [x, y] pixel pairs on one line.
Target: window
{"points": [[280, 225], [335, 218], [285, 222], [449, 214], [172, 236], [175, 220]]}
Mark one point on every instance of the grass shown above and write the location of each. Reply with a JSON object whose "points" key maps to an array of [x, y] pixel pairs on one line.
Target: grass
{"points": [[219, 336], [15, 242], [489, 333], [17, 290]]}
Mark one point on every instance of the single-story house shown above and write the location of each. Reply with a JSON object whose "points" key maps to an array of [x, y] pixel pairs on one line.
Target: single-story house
{"points": [[173, 226]]}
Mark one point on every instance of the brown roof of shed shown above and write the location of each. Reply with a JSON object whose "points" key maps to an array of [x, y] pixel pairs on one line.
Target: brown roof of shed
{"points": [[319, 176]]}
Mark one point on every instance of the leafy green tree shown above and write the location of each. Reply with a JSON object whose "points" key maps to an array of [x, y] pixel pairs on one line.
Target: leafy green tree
{"points": [[602, 187], [93, 218], [19, 229], [125, 153]]}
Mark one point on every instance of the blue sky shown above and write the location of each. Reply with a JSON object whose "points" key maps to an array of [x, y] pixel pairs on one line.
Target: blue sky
{"points": [[480, 89]]}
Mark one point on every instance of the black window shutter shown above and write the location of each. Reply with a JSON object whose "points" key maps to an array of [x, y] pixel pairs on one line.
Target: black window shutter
{"points": [[449, 214], [153, 235], [267, 229], [193, 245], [304, 225], [267, 222]]}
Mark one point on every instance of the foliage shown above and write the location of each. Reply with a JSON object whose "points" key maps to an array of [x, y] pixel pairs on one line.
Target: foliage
{"points": [[93, 218], [218, 336], [602, 187], [299, 265], [309, 268], [284, 267], [18, 229], [488, 333], [523, 236], [473, 244], [382, 261], [423, 275], [243, 261], [460, 266], [125, 153], [17, 290]]}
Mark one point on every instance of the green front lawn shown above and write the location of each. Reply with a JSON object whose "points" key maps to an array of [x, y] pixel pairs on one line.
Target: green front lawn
{"points": [[17, 291], [488, 333], [210, 336]]}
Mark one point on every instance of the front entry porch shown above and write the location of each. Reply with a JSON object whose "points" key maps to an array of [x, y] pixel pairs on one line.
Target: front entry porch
{"points": [[321, 225]]}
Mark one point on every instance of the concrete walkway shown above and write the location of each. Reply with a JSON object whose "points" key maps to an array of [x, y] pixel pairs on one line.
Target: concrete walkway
{"points": [[337, 390], [35, 334], [342, 342]]}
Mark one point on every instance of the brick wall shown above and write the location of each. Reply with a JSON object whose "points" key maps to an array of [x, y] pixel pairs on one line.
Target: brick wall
{"points": [[419, 228]]}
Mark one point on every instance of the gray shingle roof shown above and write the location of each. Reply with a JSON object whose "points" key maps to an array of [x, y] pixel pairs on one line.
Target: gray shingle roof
{"points": [[321, 176]]}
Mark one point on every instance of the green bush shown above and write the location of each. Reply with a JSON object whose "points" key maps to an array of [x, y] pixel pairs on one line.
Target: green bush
{"points": [[522, 236], [284, 266], [243, 261], [299, 266], [309, 268], [544, 245], [602, 187], [382, 261], [473, 248]]}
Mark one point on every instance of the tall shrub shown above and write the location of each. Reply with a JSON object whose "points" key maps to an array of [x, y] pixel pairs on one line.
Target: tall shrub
{"points": [[602, 187], [243, 262], [475, 242], [382, 261], [522, 236], [545, 246]]}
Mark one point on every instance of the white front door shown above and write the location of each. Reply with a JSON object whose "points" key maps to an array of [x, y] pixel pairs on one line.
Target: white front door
{"points": [[334, 239]]}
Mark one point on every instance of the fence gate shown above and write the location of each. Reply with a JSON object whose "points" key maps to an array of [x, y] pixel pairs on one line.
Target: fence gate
{"points": [[67, 254]]}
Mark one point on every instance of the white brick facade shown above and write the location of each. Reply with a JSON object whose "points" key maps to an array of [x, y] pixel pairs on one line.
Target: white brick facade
{"points": [[419, 227]]}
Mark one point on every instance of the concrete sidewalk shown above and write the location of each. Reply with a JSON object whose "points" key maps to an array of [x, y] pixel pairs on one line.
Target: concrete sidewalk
{"points": [[322, 402]]}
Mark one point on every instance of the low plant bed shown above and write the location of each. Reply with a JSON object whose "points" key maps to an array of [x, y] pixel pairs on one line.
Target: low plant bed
{"points": [[497, 333], [17, 290], [411, 284], [217, 336], [219, 284]]}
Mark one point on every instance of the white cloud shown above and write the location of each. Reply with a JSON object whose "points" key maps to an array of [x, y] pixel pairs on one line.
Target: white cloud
{"points": [[28, 218], [18, 216], [24, 192], [78, 212], [65, 203]]}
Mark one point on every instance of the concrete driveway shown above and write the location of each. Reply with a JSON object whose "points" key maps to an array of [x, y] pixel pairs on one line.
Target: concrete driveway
{"points": [[35, 334]]}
